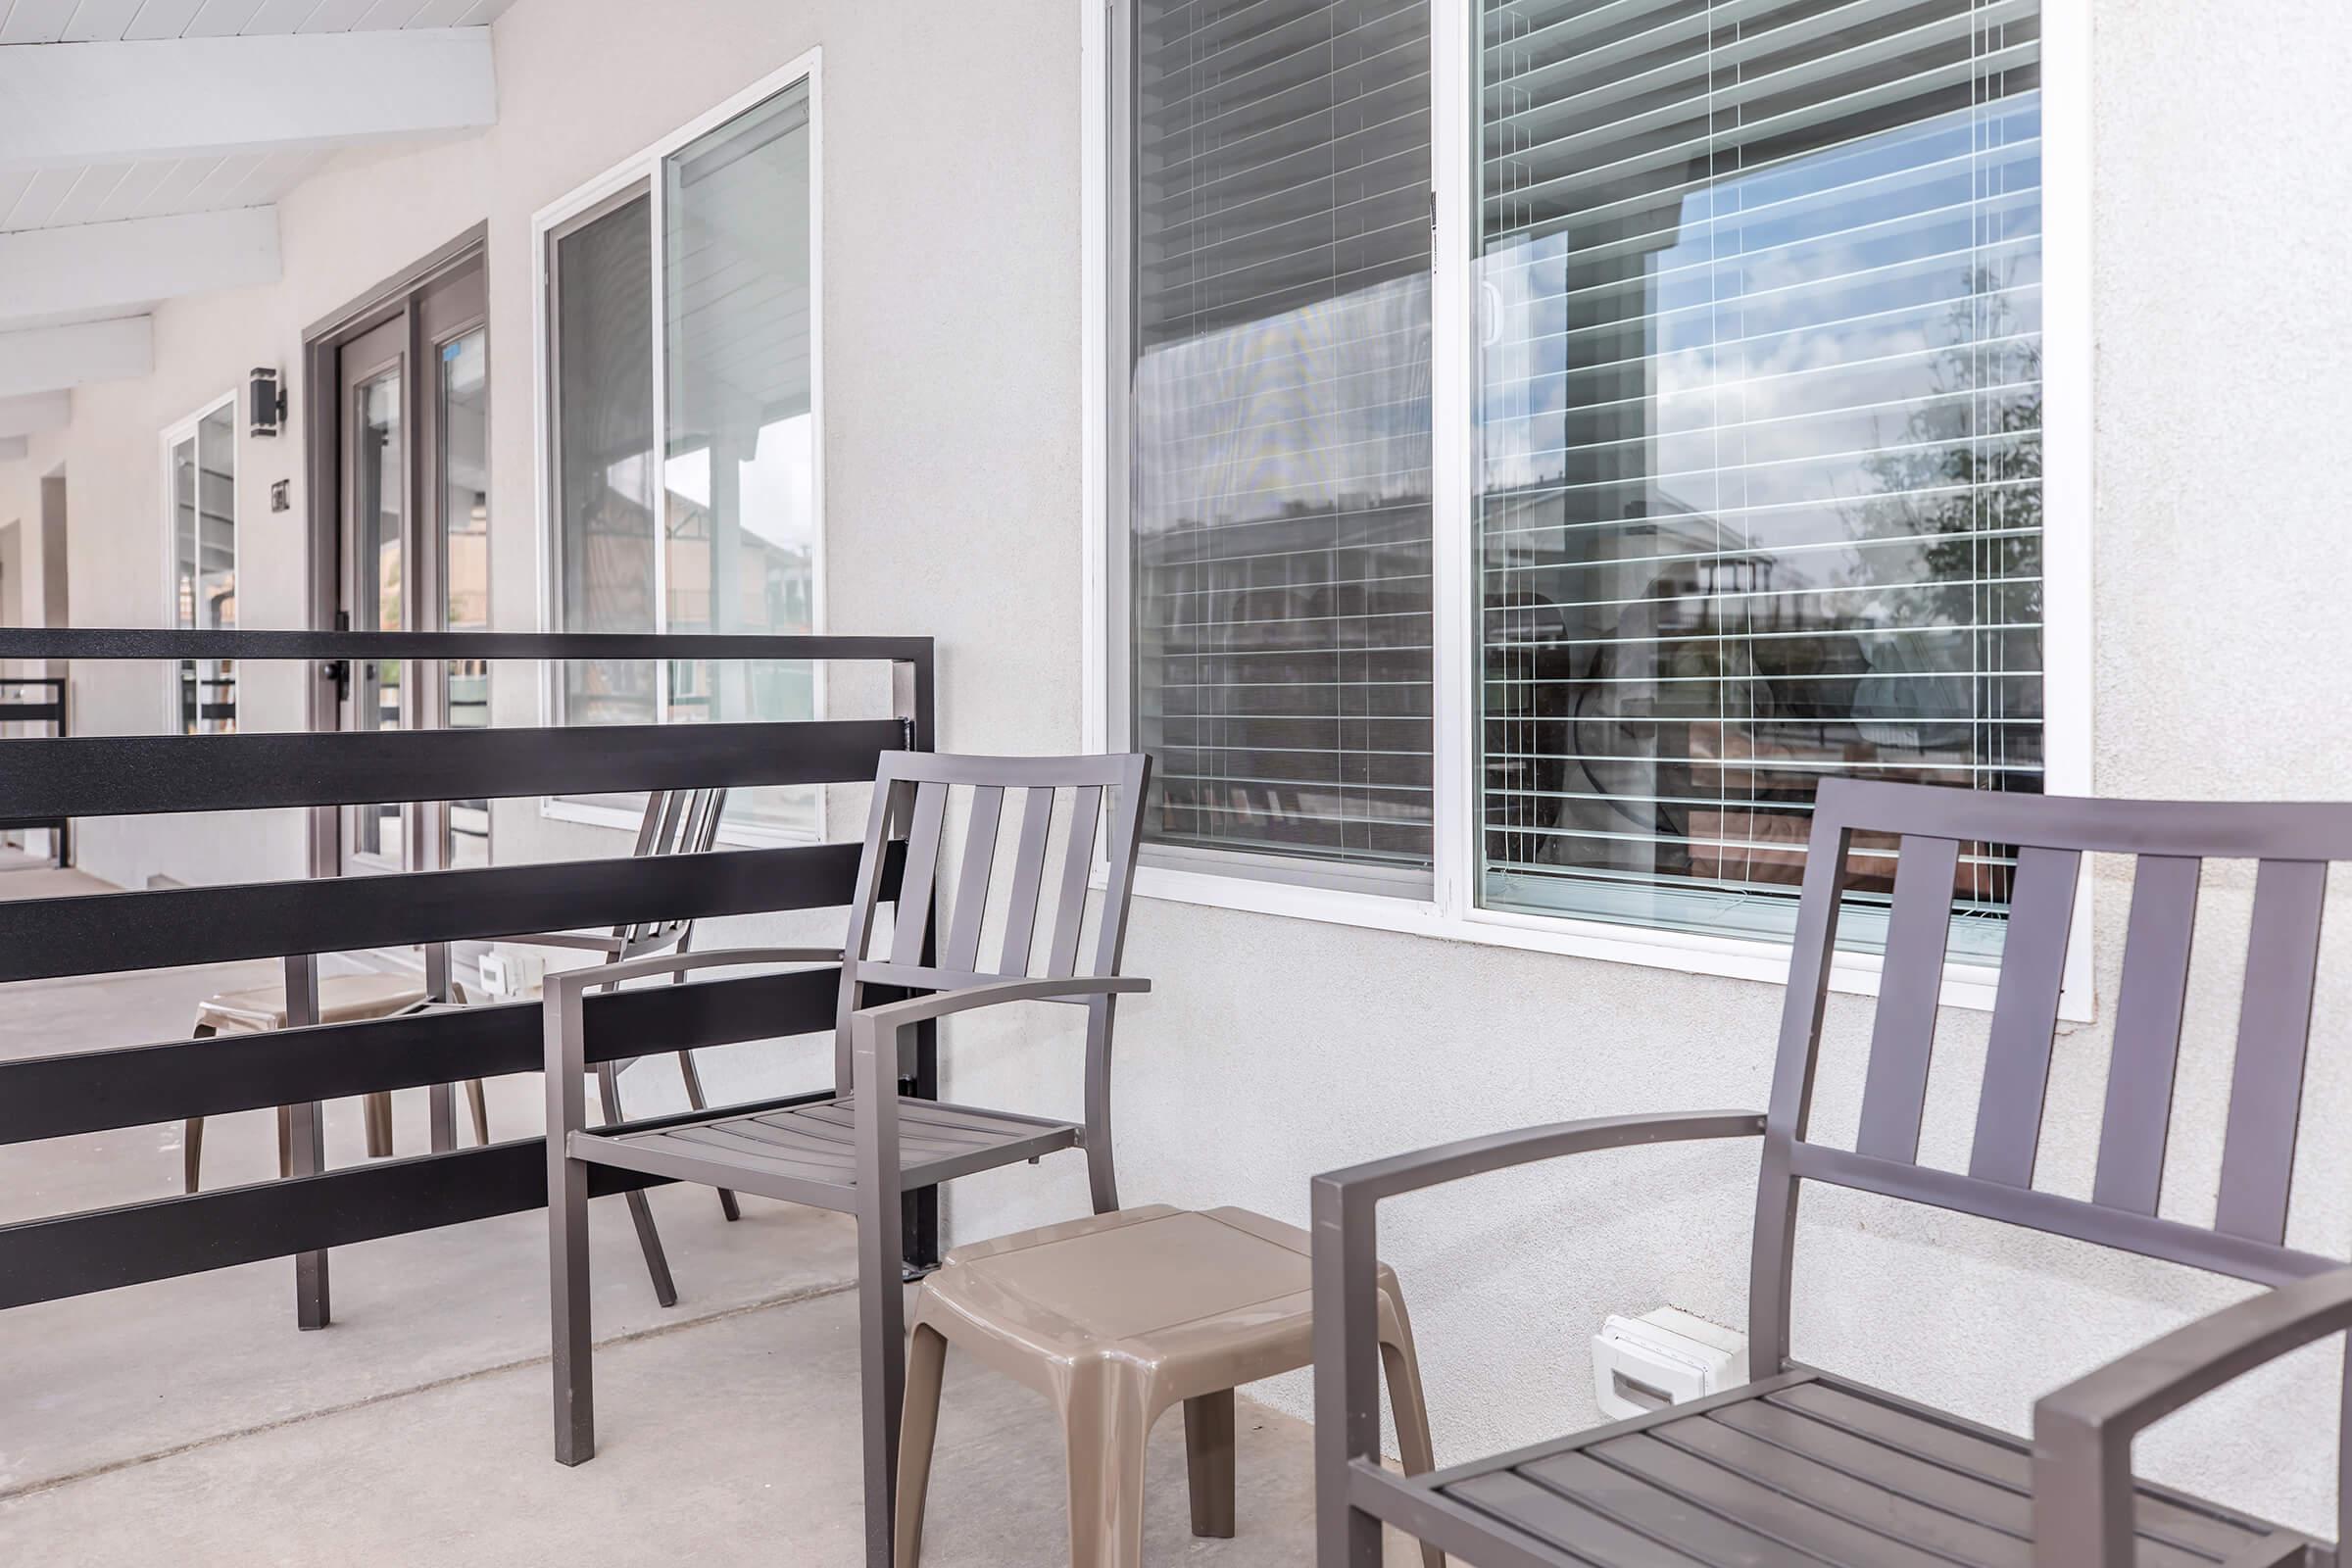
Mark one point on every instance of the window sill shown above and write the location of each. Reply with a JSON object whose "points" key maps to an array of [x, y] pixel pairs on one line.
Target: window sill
{"points": [[1967, 986]]}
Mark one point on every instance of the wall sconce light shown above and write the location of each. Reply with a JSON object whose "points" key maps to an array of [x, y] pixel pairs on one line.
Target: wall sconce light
{"points": [[267, 401]]}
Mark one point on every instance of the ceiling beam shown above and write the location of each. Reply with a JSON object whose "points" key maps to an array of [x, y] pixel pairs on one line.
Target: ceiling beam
{"points": [[114, 268], [34, 415], [49, 359], [108, 103]]}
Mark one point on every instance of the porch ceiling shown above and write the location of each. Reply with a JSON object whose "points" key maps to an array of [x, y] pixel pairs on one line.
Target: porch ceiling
{"points": [[145, 143]]}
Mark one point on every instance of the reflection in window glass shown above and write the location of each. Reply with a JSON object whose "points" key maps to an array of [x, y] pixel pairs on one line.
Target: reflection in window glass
{"points": [[739, 494], [1759, 484], [379, 507], [465, 446], [604, 419], [204, 557], [1279, 503]]}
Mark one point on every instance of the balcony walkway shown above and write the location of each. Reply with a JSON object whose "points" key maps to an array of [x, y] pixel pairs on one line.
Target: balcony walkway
{"points": [[189, 1423]]}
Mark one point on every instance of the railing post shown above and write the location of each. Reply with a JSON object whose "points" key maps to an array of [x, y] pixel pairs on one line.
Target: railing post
{"points": [[307, 1143], [910, 701]]}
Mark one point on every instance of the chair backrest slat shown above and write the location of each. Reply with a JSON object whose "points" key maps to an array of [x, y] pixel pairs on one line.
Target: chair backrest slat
{"points": [[1077, 863], [972, 884], [922, 872], [2137, 1121], [2025, 1016], [2274, 1033], [1028, 873], [2169, 841], [1895, 1091]]}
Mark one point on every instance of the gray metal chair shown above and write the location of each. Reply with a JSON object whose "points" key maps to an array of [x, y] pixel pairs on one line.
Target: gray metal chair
{"points": [[1806, 1466], [675, 823], [857, 1151]]}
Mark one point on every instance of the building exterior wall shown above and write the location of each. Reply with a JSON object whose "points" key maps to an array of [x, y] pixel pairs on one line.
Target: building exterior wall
{"points": [[1271, 1048]]}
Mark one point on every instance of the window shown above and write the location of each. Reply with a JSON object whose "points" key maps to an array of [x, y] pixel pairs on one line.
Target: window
{"points": [[463, 422], [683, 430], [1278, 529], [200, 478], [1740, 484]]}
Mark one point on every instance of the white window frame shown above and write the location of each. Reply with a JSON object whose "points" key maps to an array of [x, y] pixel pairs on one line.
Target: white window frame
{"points": [[1452, 913], [646, 165], [185, 429]]}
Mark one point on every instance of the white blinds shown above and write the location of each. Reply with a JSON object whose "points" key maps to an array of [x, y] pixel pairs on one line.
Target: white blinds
{"points": [[1760, 453], [1279, 542]]}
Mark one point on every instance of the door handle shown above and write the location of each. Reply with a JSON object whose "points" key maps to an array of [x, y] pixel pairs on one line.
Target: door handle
{"points": [[337, 670]]}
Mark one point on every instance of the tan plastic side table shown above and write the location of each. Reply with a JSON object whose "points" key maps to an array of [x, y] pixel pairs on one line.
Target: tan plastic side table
{"points": [[1115, 1318]]}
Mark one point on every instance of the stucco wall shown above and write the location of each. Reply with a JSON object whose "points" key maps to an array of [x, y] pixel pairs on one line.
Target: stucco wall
{"points": [[1273, 1049]]}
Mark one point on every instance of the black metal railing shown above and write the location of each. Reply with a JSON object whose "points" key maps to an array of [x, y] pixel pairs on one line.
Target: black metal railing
{"points": [[51, 709], [313, 1210]]}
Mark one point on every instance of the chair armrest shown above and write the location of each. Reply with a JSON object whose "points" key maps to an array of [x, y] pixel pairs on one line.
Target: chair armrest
{"points": [[587, 941], [1346, 1264], [890, 1017], [559, 1010], [2082, 1487], [574, 982]]}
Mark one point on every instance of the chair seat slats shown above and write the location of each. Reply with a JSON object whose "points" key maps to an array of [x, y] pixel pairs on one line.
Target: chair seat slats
{"points": [[2147, 1034], [1895, 1091], [2025, 1016], [2274, 1031], [1810, 1475], [799, 1153]]}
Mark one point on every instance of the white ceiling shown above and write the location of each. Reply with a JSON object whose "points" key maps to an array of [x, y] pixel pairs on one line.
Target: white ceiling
{"points": [[107, 20], [217, 129], [97, 193]]}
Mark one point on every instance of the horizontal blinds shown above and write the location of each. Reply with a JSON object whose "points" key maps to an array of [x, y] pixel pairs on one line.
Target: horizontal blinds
{"points": [[1760, 435], [1280, 508]]}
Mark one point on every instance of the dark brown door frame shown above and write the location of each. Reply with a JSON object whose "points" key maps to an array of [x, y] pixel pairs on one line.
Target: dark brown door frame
{"points": [[394, 298]]}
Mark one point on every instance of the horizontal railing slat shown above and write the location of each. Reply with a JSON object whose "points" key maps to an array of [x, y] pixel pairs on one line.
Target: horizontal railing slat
{"points": [[130, 775], [137, 1086], [133, 642], [73, 1255], [107, 932]]}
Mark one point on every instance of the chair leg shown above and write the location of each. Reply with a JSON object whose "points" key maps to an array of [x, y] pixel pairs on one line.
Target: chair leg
{"points": [[727, 1205], [919, 1436], [641, 1213], [1209, 1462], [378, 1121], [191, 1134], [480, 1107], [1403, 1370], [568, 1308], [882, 1372], [1105, 1421]]}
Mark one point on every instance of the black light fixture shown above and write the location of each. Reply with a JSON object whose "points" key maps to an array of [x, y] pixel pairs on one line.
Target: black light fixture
{"points": [[267, 401]]}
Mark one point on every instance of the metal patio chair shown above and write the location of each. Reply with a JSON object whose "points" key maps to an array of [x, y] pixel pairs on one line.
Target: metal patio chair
{"points": [[675, 823], [1804, 1466], [857, 1151]]}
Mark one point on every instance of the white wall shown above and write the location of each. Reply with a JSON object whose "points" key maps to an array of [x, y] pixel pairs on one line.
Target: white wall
{"points": [[1274, 1048]]}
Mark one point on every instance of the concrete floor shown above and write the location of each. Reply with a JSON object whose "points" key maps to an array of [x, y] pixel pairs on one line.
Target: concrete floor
{"points": [[189, 1421]]}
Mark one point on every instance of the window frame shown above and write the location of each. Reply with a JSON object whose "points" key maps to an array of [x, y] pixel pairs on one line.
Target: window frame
{"points": [[1452, 912], [179, 430], [583, 203]]}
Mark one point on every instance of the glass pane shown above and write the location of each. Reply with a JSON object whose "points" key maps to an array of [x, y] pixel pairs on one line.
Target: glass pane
{"points": [[203, 543], [1759, 467], [465, 425], [739, 492], [604, 419], [379, 507], [1279, 524]]}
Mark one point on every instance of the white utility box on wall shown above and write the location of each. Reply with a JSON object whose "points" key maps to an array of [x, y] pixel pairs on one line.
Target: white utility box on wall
{"points": [[1663, 1357]]}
